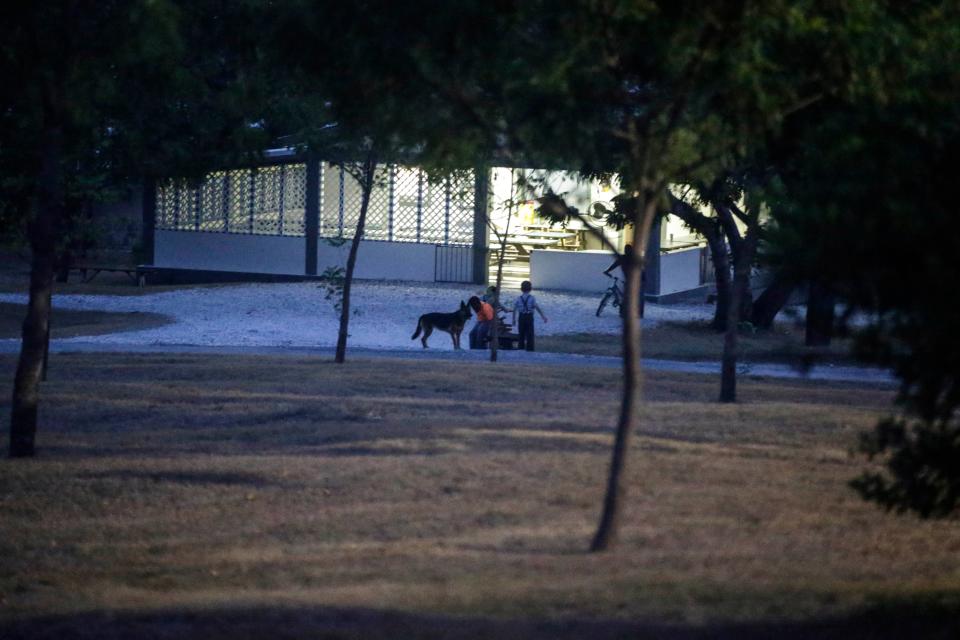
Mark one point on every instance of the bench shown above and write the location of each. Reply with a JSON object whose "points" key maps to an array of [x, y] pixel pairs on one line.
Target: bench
{"points": [[506, 338], [137, 274]]}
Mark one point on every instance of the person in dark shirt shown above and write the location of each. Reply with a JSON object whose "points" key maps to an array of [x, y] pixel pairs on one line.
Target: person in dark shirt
{"points": [[525, 305], [620, 262]]}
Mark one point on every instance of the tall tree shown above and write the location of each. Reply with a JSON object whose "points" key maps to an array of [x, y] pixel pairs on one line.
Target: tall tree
{"points": [[734, 201], [61, 57], [365, 175], [659, 93], [873, 214], [95, 92], [367, 116]]}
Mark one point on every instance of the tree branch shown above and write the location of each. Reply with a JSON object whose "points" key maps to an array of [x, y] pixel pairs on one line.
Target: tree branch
{"points": [[555, 206]]}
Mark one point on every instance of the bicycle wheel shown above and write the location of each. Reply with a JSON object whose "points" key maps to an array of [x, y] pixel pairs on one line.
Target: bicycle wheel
{"points": [[603, 302]]}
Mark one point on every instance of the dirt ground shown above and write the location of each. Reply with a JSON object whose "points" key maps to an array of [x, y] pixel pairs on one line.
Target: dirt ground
{"points": [[691, 341], [70, 324], [285, 497]]}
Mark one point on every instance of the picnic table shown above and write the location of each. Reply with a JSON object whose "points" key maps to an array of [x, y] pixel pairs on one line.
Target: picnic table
{"points": [[560, 235], [542, 238], [524, 244]]}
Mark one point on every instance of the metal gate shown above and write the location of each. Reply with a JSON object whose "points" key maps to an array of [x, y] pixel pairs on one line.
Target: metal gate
{"points": [[453, 263]]}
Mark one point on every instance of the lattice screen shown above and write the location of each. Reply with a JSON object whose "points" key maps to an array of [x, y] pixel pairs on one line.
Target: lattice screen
{"points": [[176, 206], [332, 181], [377, 222], [294, 199], [462, 195], [405, 206], [267, 200], [408, 195], [212, 202]]}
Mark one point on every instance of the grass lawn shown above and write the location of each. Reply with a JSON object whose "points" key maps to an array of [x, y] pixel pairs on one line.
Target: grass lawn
{"points": [[697, 341], [287, 497]]}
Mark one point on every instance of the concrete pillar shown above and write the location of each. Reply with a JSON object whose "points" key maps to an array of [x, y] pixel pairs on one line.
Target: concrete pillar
{"points": [[148, 213], [651, 284], [481, 211], [311, 215]]}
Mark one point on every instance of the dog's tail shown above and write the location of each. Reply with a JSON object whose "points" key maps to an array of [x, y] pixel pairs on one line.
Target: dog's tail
{"points": [[417, 332]]}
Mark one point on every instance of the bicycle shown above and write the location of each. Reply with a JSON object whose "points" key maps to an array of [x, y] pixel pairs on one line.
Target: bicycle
{"points": [[613, 294]]}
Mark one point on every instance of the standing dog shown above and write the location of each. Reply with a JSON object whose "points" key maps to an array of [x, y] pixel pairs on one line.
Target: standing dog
{"points": [[452, 323]]}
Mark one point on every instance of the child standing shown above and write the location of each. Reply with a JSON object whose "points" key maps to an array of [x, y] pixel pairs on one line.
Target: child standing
{"points": [[525, 305]]}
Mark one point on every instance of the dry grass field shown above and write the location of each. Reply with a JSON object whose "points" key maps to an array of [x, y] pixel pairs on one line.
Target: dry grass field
{"points": [[287, 497], [697, 341]]}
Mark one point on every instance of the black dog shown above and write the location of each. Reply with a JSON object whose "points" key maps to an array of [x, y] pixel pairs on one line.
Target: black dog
{"points": [[452, 323]]}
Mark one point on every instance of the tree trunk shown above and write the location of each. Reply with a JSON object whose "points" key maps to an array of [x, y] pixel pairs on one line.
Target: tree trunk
{"points": [[721, 270], [719, 253], [43, 229], [731, 338], [495, 328], [771, 301], [739, 297], [366, 187], [746, 300], [46, 344], [820, 315], [629, 419]]}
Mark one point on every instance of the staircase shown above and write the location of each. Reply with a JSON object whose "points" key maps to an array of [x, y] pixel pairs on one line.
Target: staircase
{"points": [[516, 268]]}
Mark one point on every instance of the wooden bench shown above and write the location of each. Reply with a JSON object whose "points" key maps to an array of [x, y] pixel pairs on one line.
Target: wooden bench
{"points": [[506, 338], [136, 273]]}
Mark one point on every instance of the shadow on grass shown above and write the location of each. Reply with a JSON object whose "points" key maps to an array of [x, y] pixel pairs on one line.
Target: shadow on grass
{"points": [[928, 620], [181, 477], [335, 440]]}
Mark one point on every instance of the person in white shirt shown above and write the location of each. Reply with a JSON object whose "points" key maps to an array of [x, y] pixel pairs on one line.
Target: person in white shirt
{"points": [[525, 305]]}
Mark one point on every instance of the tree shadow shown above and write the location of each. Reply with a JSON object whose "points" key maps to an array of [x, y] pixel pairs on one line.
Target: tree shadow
{"points": [[332, 440], [181, 477], [887, 620]]}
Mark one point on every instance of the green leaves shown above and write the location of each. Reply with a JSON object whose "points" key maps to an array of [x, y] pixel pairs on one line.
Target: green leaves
{"points": [[922, 474]]}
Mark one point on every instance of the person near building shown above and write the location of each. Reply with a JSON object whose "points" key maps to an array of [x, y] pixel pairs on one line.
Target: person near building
{"points": [[620, 262], [525, 306]]}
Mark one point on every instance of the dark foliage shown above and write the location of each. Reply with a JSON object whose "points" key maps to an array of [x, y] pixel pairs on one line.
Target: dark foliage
{"points": [[871, 182], [921, 463]]}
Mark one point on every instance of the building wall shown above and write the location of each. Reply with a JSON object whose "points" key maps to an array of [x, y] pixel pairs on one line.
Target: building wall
{"points": [[230, 252], [244, 253], [583, 271], [679, 270], [570, 270], [382, 260]]}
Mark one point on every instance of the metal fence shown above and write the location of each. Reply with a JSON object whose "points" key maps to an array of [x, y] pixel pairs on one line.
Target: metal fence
{"points": [[405, 204], [453, 264]]}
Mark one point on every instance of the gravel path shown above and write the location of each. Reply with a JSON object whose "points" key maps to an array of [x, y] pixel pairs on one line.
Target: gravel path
{"points": [[822, 372], [297, 318], [299, 314]]}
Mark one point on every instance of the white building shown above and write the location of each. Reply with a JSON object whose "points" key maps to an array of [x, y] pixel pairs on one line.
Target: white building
{"points": [[290, 219]]}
